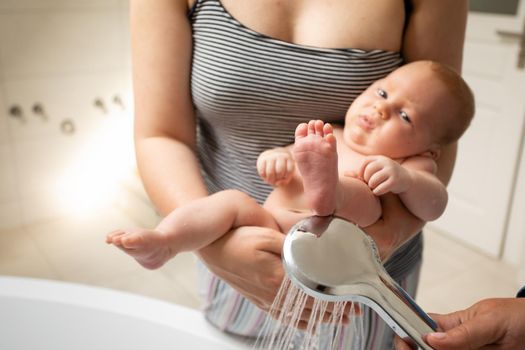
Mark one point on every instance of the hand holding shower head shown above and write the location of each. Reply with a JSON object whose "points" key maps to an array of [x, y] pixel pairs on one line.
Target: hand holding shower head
{"points": [[332, 259]]}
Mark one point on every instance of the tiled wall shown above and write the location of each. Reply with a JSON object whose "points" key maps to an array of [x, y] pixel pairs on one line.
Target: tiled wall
{"points": [[63, 55]]}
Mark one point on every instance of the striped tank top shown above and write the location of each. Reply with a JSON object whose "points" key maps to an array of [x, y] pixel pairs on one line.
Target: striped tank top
{"points": [[250, 91]]}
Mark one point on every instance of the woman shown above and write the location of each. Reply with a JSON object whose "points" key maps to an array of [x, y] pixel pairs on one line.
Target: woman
{"points": [[216, 82]]}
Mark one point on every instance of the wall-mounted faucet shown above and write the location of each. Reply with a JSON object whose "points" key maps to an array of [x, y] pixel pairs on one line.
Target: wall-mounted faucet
{"points": [[38, 109], [117, 100], [67, 127], [16, 112], [98, 103]]}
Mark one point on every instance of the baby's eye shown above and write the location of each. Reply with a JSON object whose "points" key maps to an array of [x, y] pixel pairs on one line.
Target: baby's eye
{"points": [[405, 117], [382, 93]]}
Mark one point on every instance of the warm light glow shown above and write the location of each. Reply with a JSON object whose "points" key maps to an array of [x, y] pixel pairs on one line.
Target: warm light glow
{"points": [[93, 180]]}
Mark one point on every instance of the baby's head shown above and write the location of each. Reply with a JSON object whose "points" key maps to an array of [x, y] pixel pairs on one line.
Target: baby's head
{"points": [[418, 108]]}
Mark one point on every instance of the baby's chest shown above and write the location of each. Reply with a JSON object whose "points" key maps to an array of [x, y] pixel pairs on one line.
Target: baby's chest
{"points": [[350, 161]]}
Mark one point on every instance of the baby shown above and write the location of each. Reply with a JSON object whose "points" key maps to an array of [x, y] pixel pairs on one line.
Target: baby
{"points": [[393, 133]]}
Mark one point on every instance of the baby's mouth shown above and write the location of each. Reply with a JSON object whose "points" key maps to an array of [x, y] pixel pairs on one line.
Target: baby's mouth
{"points": [[365, 122]]}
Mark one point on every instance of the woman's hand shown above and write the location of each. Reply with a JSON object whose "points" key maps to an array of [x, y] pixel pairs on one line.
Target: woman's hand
{"points": [[488, 324], [249, 260]]}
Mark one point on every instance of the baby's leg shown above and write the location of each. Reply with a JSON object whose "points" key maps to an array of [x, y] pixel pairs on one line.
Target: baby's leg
{"points": [[204, 220], [192, 227], [148, 247], [315, 154]]}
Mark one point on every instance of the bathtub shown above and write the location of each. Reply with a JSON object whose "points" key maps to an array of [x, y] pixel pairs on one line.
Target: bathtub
{"points": [[43, 314]]}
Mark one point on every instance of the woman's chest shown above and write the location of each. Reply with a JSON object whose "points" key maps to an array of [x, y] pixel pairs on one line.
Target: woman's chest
{"points": [[362, 24]]}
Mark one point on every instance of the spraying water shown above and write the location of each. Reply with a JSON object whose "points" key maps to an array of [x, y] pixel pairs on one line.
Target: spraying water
{"points": [[331, 325]]}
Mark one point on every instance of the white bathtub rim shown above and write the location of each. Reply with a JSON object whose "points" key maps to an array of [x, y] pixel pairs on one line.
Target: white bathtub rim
{"points": [[152, 310]]}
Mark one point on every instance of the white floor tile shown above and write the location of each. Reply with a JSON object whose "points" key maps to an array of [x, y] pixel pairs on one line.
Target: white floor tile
{"points": [[182, 270], [454, 277], [73, 249], [154, 284], [20, 256]]}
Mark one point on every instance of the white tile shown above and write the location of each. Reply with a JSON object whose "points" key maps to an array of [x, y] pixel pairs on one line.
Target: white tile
{"points": [[8, 182], [463, 290], [156, 285], [41, 207], [4, 134], [20, 256], [182, 269], [443, 257], [9, 5], [125, 33], [42, 162], [10, 215], [454, 277], [134, 202], [76, 251], [76, 247], [43, 43]]}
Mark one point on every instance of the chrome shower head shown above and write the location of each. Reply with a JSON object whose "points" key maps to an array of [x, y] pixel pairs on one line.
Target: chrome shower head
{"points": [[332, 259]]}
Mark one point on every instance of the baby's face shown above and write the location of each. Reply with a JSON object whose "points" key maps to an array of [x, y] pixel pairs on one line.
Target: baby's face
{"points": [[398, 116]]}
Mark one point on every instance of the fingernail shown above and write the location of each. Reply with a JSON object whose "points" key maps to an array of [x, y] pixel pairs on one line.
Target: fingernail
{"points": [[438, 335]]}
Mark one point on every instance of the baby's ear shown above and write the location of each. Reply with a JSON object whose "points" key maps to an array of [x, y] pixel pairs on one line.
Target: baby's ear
{"points": [[433, 153]]}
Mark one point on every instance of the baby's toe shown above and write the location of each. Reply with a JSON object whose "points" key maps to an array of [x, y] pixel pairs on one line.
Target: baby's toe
{"points": [[301, 130], [132, 241]]}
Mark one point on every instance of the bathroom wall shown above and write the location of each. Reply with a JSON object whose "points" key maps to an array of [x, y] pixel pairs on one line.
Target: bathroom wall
{"points": [[71, 57], [65, 102]]}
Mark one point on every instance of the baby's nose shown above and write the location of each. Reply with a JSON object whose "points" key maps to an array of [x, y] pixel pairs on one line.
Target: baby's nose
{"points": [[382, 111]]}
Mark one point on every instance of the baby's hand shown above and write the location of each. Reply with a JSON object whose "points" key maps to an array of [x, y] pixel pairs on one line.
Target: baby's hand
{"points": [[276, 166], [384, 175]]}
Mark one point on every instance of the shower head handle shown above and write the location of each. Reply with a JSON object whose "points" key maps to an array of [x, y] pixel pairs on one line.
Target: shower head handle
{"points": [[332, 259]]}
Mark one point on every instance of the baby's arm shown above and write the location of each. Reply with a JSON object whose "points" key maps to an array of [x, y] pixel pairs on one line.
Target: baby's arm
{"points": [[426, 197], [276, 166], [414, 181]]}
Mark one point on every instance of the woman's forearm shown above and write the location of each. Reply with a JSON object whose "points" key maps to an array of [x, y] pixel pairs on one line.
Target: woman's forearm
{"points": [[164, 119], [396, 226], [445, 163], [169, 184]]}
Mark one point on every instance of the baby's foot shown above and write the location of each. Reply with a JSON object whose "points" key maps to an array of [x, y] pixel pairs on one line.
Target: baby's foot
{"points": [[315, 153], [276, 166], [148, 247]]}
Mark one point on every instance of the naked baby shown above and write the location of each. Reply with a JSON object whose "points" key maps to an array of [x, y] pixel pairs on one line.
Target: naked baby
{"points": [[393, 134]]}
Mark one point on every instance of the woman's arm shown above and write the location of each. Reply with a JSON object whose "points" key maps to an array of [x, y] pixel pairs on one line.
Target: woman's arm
{"points": [[164, 118], [248, 258], [435, 31]]}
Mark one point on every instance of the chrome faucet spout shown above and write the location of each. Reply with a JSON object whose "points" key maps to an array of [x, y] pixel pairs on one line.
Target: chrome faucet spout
{"points": [[332, 259]]}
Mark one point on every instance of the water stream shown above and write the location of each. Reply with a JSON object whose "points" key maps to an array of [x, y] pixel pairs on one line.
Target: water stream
{"points": [[331, 325]]}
